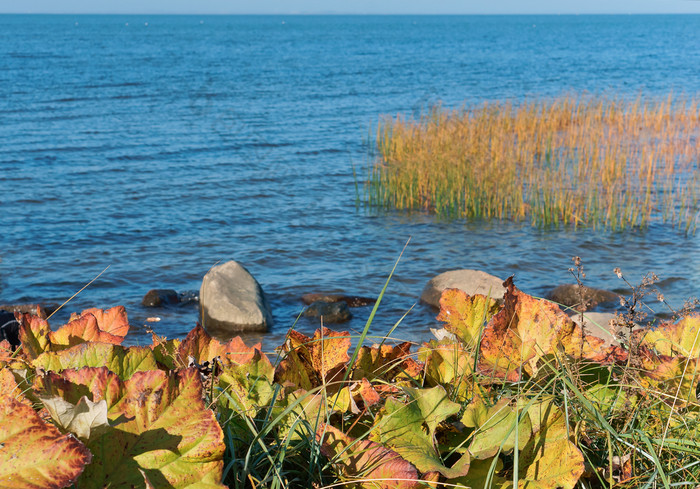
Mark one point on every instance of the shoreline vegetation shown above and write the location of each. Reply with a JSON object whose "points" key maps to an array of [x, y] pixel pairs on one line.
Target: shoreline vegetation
{"points": [[511, 394], [577, 160]]}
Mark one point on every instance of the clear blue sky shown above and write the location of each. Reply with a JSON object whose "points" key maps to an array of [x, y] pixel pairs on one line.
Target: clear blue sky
{"points": [[349, 6]]}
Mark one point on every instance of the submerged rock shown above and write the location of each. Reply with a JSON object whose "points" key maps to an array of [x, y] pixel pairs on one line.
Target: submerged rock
{"points": [[350, 300], [41, 310], [231, 300], [470, 281], [160, 297], [330, 312], [584, 298]]}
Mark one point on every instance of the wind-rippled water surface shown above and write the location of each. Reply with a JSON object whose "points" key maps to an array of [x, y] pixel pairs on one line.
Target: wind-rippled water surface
{"points": [[162, 145]]}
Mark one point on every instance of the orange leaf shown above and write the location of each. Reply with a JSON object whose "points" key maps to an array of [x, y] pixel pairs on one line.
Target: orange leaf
{"points": [[385, 362], [81, 330], [33, 454], [33, 335], [466, 315], [323, 358], [203, 348], [113, 320]]}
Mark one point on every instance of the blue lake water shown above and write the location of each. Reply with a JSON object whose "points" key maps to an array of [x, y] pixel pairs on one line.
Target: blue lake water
{"points": [[162, 145]]}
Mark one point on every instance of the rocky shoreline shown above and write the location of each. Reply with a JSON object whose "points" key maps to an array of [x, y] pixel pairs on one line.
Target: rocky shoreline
{"points": [[231, 301]]}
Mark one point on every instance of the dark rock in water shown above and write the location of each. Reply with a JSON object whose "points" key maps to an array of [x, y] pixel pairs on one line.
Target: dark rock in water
{"points": [[41, 310], [231, 300], [584, 299], [160, 297], [470, 281], [350, 300], [9, 328], [331, 312]]}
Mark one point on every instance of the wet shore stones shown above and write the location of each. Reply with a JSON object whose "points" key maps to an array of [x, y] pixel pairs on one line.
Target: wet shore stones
{"points": [[329, 312], [9, 328], [160, 297], [581, 297], [470, 281], [232, 301], [350, 300]]}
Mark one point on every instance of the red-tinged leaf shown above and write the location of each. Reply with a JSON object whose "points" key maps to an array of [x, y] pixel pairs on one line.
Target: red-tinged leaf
{"points": [[120, 360], [364, 392], [466, 315], [677, 339], [165, 352], [167, 436], [6, 353], [113, 321], [364, 463], [33, 335], [320, 359], [246, 388], [525, 330], [96, 383], [386, 362], [676, 377], [81, 330], [9, 387], [34, 455], [203, 348]]}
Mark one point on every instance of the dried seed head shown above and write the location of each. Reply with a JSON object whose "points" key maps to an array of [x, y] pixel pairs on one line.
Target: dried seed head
{"points": [[618, 272]]}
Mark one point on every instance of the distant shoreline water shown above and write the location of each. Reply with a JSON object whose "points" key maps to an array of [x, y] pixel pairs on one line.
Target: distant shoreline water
{"points": [[161, 150]]}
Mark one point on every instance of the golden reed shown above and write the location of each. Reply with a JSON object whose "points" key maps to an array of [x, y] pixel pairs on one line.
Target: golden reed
{"points": [[571, 160]]}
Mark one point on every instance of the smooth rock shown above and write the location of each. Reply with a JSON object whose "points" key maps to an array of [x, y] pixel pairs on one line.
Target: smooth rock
{"points": [[470, 281], [231, 300], [602, 325], [330, 312], [9, 328], [160, 297], [350, 300], [569, 295]]}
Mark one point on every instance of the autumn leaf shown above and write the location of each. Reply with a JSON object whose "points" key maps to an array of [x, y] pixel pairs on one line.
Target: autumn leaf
{"points": [[496, 432], [549, 460], [33, 335], [448, 364], [386, 362], [409, 429], [466, 315], [165, 435], [673, 339], [165, 352], [113, 321], [524, 331], [95, 383], [120, 360], [203, 348], [83, 329], [35, 455], [311, 362], [673, 375], [370, 464], [246, 388]]}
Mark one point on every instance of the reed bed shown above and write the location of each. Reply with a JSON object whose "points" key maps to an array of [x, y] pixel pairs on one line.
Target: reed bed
{"points": [[572, 160]]}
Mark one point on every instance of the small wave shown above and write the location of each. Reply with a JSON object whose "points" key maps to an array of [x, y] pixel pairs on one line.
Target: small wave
{"points": [[320, 152]]}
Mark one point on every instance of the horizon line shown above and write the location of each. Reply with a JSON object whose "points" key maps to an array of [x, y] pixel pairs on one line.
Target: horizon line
{"points": [[358, 14]]}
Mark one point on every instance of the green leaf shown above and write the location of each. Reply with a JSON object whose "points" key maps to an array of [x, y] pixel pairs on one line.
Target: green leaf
{"points": [[549, 460], [246, 388], [33, 454], [120, 360], [483, 474], [166, 435], [496, 431], [448, 364], [409, 429]]}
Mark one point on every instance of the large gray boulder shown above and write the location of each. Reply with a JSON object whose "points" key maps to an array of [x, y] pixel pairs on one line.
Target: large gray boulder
{"points": [[604, 325], [470, 281], [231, 301]]}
